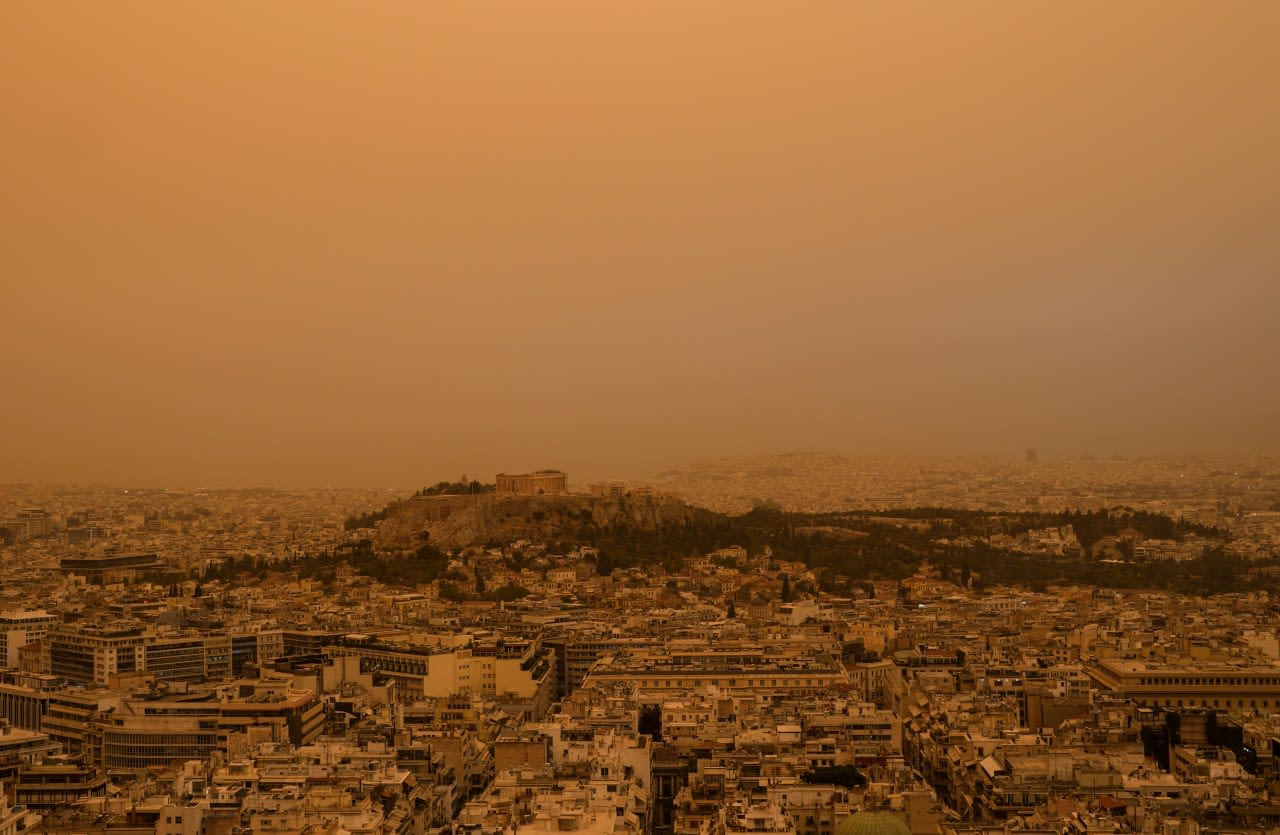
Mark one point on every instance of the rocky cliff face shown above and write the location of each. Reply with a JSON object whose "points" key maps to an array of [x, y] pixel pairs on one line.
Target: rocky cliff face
{"points": [[459, 521]]}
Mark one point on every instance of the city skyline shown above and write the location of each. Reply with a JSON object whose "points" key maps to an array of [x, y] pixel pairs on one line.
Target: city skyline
{"points": [[840, 418]]}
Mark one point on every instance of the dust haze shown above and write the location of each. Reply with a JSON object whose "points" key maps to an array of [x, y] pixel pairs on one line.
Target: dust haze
{"points": [[311, 243]]}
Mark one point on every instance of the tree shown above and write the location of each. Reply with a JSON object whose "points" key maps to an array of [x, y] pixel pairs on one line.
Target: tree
{"points": [[732, 611], [451, 592], [786, 588], [650, 722], [604, 564], [507, 593]]}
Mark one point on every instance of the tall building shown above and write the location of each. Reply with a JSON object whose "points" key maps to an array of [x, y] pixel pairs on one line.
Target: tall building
{"points": [[23, 706], [519, 670], [180, 658], [32, 523], [15, 819], [70, 715], [141, 733], [18, 629], [91, 654]]}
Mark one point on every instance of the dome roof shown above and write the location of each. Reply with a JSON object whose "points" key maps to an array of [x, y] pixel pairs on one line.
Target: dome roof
{"points": [[873, 823]]}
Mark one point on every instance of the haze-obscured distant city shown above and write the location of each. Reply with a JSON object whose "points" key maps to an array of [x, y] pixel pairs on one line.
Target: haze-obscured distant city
{"points": [[608, 418]]}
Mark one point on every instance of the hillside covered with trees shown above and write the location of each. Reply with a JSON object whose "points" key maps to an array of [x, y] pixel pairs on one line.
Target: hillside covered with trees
{"points": [[848, 549]]}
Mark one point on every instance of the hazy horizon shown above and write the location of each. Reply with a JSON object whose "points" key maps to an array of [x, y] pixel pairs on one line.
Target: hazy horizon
{"points": [[580, 480], [309, 244]]}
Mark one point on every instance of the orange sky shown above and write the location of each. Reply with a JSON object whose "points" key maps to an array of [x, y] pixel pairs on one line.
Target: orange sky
{"points": [[367, 244]]}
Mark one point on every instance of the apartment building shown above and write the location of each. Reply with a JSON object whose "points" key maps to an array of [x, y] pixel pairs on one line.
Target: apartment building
{"points": [[91, 654], [497, 667], [19, 629]]}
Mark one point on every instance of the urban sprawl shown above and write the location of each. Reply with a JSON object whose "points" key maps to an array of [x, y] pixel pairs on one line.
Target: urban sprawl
{"points": [[496, 658]]}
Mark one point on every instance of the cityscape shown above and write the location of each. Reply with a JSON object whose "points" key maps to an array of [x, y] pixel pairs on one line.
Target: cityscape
{"points": [[849, 417], [524, 654]]}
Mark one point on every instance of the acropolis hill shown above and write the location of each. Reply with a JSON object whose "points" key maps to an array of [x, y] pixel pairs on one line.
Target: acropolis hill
{"points": [[523, 507]]}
